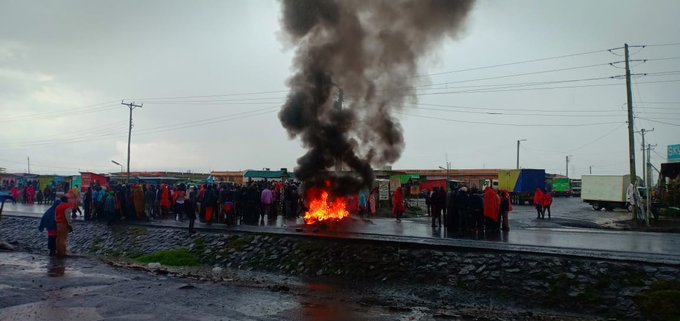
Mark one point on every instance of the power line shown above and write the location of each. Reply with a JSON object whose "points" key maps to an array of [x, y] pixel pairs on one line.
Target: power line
{"points": [[57, 113], [510, 113], [159, 129], [597, 139], [519, 74], [511, 63], [539, 88], [658, 121], [509, 124], [664, 44], [214, 95], [524, 109]]}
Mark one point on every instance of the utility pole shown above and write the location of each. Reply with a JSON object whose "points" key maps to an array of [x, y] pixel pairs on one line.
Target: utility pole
{"points": [[28, 159], [631, 129], [648, 182], [590, 169], [567, 171], [132, 106], [519, 140], [644, 147], [645, 162]]}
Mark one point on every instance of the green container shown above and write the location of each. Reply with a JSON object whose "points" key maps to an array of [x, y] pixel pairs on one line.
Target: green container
{"points": [[561, 186]]}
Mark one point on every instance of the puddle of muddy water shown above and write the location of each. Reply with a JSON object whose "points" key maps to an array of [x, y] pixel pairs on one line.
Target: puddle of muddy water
{"points": [[47, 311], [52, 266]]}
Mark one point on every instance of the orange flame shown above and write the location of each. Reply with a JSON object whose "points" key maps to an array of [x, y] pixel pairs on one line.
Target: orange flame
{"points": [[321, 209]]}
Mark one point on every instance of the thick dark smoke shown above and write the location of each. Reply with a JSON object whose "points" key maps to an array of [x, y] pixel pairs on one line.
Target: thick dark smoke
{"points": [[356, 63]]}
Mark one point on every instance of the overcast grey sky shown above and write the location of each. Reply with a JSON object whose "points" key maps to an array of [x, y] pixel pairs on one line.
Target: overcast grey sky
{"points": [[66, 65]]}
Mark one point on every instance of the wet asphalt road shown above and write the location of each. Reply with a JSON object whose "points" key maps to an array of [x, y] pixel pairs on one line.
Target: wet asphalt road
{"points": [[574, 228], [39, 288]]}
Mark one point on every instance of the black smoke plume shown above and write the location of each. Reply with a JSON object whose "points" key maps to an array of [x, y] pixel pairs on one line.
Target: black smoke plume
{"points": [[356, 62]]}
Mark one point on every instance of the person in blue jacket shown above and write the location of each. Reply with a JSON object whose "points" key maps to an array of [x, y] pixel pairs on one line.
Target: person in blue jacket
{"points": [[49, 222]]}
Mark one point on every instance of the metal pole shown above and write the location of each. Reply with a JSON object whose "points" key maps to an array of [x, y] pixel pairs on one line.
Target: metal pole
{"points": [[567, 171], [648, 183], [127, 180], [518, 154], [631, 137], [644, 163]]}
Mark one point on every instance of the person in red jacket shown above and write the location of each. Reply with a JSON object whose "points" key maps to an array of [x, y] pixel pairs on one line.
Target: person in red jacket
{"points": [[398, 204], [491, 209], [538, 202], [62, 219], [547, 201], [505, 208], [165, 201]]}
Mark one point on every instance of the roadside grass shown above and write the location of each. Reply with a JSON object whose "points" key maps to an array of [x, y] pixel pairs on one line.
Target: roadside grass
{"points": [[176, 257], [660, 301]]}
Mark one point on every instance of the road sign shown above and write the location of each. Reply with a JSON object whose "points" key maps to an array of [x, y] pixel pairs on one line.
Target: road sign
{"points": [[674, 153]]}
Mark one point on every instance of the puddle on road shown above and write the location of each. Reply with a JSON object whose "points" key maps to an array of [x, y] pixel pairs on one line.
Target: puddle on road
{"points": [[46, 311], [52, 266]]}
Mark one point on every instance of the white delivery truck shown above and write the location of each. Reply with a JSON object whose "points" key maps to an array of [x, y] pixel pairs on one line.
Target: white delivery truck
{"points": [[605, 191]]}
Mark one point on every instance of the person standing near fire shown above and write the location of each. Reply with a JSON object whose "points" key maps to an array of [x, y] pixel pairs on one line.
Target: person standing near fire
{"points": [[398, 204], [372, 201]]}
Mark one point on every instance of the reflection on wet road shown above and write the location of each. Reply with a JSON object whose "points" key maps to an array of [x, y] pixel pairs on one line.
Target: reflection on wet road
{"points": [[39, 288]]}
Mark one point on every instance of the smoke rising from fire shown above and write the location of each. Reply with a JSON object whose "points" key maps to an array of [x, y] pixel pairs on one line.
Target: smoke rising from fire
{"points": [[356, 62]]}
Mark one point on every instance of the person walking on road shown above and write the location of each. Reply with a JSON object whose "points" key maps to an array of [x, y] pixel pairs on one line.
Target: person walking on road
{"points": [[398, 204], [63, 222], [547, 201], [49, 222], [74, 199], [538, 202]]}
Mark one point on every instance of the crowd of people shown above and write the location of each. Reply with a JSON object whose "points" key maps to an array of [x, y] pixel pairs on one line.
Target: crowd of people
{"points": [[224, 203], [459, 210], [469, 210], [30, 193], [472, 210]]}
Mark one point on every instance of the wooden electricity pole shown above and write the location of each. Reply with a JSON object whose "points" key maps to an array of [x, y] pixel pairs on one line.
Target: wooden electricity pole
{"points": [[132, 106]]}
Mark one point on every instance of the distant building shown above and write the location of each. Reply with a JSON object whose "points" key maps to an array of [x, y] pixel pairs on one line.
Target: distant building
{"points": [[267, 175], [234, 177], [470, 177]]}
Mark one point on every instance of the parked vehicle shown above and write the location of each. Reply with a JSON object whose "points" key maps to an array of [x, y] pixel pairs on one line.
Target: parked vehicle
{"points": [[561, 187], [606, 191], [521, 183], [490, 183]]}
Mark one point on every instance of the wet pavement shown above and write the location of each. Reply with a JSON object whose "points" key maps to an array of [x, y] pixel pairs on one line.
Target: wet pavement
{"points": [[40, 288], [574, 229]]}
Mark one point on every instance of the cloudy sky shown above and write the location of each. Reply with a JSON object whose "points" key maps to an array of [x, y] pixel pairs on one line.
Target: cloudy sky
{"points": [[211, 76]]}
